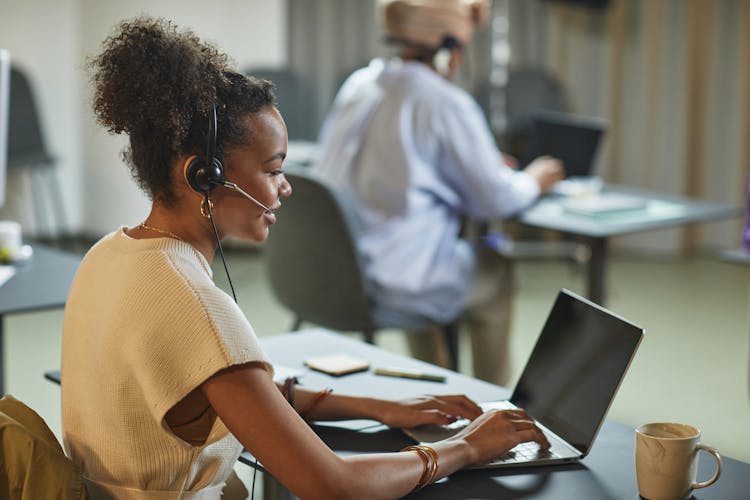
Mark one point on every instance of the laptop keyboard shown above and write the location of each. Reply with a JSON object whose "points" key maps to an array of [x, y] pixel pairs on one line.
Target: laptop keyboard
{"points": [[525, 452]]}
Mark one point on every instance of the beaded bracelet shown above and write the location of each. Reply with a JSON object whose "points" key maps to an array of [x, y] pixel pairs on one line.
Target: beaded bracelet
{"points": [[430, 461], [288, 390], [315, 401]]}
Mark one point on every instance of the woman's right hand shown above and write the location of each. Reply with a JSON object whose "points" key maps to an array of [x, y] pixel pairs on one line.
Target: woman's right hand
{"points": [[497, 431]]}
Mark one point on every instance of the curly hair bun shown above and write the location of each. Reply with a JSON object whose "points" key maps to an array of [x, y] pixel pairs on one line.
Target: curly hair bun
{"points": [[150, 77]]}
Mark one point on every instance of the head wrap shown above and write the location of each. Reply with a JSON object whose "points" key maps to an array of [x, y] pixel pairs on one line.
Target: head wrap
{"points": [[428, 23]]}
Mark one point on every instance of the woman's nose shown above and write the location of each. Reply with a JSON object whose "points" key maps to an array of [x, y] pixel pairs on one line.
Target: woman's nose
{"points": [[285, 189]]}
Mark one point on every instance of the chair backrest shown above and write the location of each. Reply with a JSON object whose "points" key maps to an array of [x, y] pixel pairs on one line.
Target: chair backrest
{"points": [[312, 261], [290, 99], [32, 462], [528, 91], [26, 147]]}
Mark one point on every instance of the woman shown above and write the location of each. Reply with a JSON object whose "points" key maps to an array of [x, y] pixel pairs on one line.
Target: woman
{"points": [[163, 377]]}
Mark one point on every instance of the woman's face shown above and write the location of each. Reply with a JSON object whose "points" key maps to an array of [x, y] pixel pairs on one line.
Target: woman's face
{"points": [[257, 170]]}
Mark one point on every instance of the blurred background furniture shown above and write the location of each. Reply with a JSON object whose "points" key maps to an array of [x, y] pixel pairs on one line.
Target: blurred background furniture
{"points": [[27, 153], [314, 268], [289, 90], [659, 211], [41, 283], [528, 91]]}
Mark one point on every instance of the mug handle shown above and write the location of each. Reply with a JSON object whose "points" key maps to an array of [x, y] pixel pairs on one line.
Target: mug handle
{"points": [[717, 457]]}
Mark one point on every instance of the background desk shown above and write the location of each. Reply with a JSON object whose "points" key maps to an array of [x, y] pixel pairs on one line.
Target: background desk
{"points": [[41, 283], [662, 211], [607, 473]]}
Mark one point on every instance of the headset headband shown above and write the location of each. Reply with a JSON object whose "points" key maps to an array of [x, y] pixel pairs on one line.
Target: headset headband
{"points": [[212, 126]]}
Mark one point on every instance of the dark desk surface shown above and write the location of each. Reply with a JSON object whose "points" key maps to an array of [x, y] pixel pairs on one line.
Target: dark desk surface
{"points": [[41, 283], [607, 473]]}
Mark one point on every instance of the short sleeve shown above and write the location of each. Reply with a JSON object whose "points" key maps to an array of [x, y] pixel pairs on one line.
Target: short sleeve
{"points": [[195, 333]]}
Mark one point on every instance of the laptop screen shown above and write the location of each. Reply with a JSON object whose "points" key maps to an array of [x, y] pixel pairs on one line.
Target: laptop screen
{"points": [[573, 139], [575, 368]]}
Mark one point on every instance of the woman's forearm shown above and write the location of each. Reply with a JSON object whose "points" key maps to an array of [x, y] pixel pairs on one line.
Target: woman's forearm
{"points": [[338, 406]]}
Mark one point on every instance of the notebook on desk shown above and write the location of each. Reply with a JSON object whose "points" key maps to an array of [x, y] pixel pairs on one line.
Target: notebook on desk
{"points": [[568, 384], [603, 204]]}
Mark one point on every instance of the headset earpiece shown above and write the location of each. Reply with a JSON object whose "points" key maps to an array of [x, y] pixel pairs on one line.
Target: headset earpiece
{"points": [[204, 173], [441, 61]]}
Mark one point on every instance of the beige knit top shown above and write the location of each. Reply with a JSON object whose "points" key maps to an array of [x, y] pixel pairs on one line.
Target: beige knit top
{"points": [[144, 326]]}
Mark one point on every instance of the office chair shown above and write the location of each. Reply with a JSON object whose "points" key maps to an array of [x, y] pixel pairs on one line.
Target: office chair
{"points": [[27, 152], [34, 464], [528, 91], [290, 100], [315, 270]]}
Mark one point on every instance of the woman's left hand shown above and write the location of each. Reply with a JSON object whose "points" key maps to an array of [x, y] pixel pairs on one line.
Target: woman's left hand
{"points": [[439, 410]]}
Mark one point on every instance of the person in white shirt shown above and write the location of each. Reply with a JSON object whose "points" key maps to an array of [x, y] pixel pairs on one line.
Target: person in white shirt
{"points": [[417, 153], [163, 378]]}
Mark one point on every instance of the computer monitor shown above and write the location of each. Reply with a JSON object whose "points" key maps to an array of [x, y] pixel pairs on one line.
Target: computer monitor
{"points": [[4, 112]]}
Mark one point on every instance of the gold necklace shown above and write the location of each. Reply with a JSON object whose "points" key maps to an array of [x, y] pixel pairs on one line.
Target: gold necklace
{"points": [[143, 225]]}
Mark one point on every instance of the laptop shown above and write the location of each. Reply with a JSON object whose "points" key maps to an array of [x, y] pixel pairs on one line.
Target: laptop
{"points": [[567, 385], [574, 139]]}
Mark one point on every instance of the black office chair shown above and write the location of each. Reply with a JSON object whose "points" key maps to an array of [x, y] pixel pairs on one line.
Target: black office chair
{"points": [[27, 152], [315, 270]]}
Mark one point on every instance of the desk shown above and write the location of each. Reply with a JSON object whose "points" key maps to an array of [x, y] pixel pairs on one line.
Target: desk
{"points": [[607, 473], [41, 283], [662, 211]]}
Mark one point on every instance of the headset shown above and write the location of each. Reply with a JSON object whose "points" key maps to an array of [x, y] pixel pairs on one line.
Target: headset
{"points": [[205, 173], [442, 58]]}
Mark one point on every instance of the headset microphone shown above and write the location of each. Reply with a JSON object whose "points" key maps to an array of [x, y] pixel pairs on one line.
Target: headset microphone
{"points": [[232, 185]]}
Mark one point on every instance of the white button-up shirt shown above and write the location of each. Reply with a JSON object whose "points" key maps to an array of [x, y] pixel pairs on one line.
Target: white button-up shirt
{"points": [[417, 153]]}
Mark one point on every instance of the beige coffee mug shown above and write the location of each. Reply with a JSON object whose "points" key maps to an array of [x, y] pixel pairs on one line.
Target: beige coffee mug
{"points": [[666, 460]]}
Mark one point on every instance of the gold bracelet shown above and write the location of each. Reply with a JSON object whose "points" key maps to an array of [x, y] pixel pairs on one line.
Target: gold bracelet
{"points": [[425, 464], [315, 401], [431, 451], [429, 460]]}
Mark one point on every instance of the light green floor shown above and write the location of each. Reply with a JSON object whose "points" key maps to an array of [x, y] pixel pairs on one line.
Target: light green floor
{"points": [[691, 367]]}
